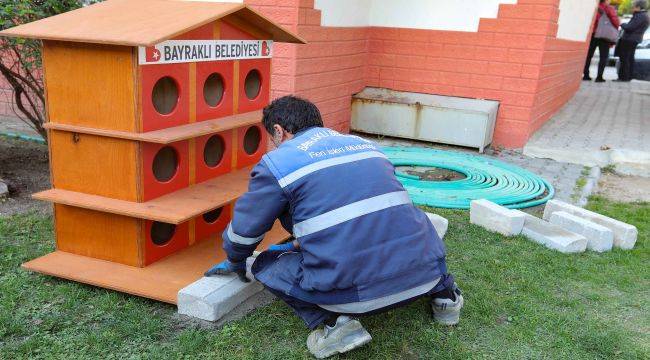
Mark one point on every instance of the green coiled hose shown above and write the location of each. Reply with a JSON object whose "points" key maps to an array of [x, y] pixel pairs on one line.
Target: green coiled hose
{"points": [[486, 178]]}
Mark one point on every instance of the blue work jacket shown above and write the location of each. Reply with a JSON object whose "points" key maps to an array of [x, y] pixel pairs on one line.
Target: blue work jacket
{"points": [[361, 237]]}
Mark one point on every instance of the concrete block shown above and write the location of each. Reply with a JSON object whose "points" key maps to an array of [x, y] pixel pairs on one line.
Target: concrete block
{"points": [[210, 298], [496, 218], [599, 238], [553, 236], [439, 223], [625, 235], [4, 189]]}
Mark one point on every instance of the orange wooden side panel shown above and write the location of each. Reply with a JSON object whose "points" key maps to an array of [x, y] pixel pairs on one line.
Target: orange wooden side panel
{"points": [[94, 165], [90, 85], [98, 235], [159, 281]]}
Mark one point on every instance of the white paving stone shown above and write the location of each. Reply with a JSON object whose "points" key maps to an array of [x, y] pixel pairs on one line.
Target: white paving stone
{"points": [[4, 189], [553, 236], [496, 218], [439, 223], [599, 238], [625, 235], [210, 298]]}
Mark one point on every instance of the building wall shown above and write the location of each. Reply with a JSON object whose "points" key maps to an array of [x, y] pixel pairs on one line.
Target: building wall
{"points": [[526, 54], [6, 99], [575, 19], [414, 14], [514, 57]]}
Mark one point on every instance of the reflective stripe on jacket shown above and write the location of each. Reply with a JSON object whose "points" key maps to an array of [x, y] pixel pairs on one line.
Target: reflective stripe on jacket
{"points": [[360, 235]]}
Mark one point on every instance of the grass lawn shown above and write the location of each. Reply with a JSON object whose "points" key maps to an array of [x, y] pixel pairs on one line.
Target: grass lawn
{"points": [[522, 301]]}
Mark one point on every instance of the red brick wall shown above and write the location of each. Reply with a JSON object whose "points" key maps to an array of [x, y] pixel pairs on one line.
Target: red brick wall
{"points": [[514, 59], [6, 97], [559, 79], [327, 70]]}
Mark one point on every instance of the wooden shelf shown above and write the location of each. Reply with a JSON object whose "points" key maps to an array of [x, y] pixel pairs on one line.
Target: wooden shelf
{"points": [[159, 281], [173, 208], [169, 135]]}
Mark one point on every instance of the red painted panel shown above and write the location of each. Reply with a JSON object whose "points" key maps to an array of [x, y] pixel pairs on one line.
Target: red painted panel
{"points": [[205, 172], [178, 241], [243, 158], [153, 188], [204, 229], [231, 32], [204, 111], [263, 66], [152, 119], [205, 32]]}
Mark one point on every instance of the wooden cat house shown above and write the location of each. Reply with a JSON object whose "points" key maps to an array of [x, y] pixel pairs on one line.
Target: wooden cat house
{"points": [[154, 111]]}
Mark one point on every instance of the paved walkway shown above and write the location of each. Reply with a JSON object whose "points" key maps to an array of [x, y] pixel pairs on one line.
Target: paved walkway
{"points": [[14, 125], [605, 123]]}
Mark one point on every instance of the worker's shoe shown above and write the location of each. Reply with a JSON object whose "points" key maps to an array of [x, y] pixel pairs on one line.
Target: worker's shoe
{"points": [[446, 311], [345, 335]]}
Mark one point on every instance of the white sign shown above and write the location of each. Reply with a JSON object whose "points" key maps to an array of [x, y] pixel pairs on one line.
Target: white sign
{"points": [[181, 51]]}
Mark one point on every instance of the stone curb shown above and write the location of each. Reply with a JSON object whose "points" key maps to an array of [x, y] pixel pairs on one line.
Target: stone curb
{"points": [[625, 235], [496, 218], [439, 223]]}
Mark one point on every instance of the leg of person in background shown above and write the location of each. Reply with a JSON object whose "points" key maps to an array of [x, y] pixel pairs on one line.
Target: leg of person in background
{"points": [[631, 59], [590, 55], [626, 54], [603, 49]]}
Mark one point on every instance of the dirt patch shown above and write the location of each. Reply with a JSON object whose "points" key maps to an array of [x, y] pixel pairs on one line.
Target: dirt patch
{"points": [[624, 188], [432, 173], [24, 167]]}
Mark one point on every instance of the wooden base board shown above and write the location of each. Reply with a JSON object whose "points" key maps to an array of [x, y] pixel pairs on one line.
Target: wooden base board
{"points": [[159, 281]]}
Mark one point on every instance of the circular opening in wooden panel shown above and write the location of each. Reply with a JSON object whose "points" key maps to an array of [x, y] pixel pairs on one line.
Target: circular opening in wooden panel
{"points": [[162, 233], [165, 164], [213, 90], [211, 217], [165, 95], [253, 84], [213, 151], [252, 140]]}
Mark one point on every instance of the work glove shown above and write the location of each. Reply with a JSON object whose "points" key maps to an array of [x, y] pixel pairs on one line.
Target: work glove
{"points": [[283, 247], [226, 267]]}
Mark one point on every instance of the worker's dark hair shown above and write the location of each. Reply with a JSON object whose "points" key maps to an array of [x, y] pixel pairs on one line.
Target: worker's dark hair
{"points": [[292, 113]]}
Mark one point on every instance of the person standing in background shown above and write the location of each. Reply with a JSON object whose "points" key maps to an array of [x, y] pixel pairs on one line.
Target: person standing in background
{"points": [[632, 36], [603, 45]]}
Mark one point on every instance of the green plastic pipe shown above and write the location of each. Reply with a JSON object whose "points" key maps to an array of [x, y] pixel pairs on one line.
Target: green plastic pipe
{"points": [[485, 178], [22, 137]]}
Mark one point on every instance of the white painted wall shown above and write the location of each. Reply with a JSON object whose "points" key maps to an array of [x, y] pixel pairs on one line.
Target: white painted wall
{"points": [[354, 12], [461, 15], [575, 19]]}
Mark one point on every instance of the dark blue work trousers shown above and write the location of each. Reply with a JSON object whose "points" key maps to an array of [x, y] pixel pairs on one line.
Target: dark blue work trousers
{"points": [[314, 315]]}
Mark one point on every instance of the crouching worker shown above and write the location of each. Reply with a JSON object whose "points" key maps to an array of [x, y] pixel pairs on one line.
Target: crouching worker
{"points": [[361, 247]]}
